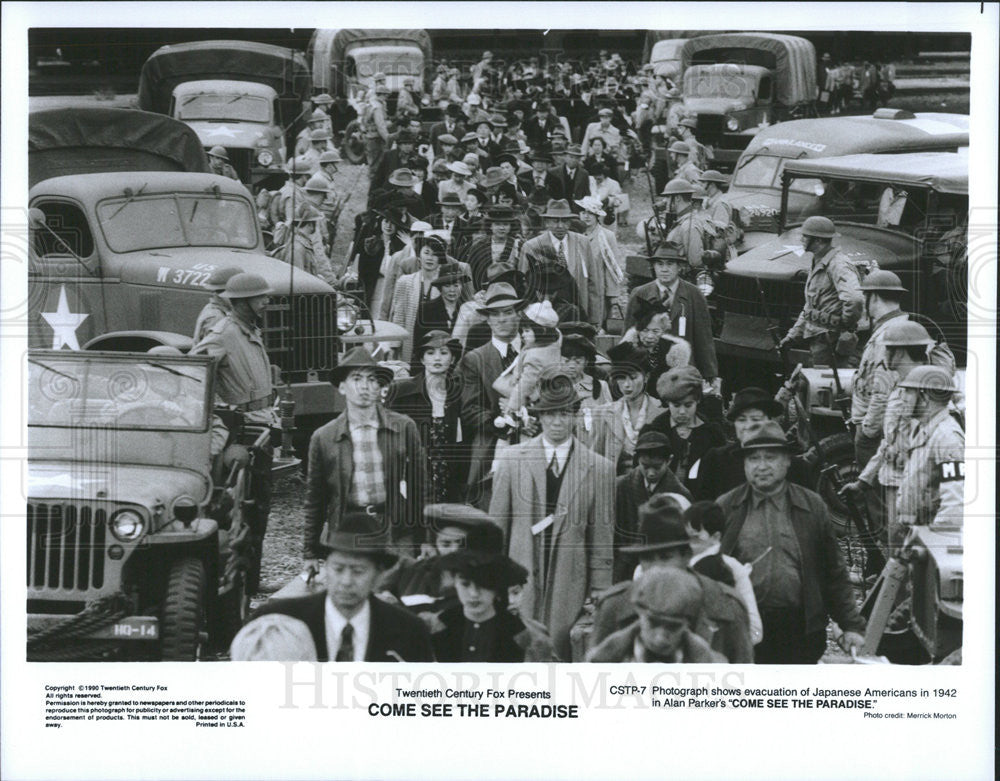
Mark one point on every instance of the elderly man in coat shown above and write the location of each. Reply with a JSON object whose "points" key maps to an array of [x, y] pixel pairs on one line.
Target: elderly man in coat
{"points": [[572, 251], [554, 499]]}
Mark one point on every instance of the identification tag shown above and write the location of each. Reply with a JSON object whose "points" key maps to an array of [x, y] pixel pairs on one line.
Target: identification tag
{"points": [[543, 524], [682, 326]]}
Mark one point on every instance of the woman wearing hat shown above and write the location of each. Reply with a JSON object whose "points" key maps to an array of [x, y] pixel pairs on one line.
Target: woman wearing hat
{"points": [[597, 153], [578, 358], [432, 398], [386, 232], [441, 313], [681, 390], [459, 183], [604, 247], [617, 425], [416, 288], [481, 627], [500, 248]]}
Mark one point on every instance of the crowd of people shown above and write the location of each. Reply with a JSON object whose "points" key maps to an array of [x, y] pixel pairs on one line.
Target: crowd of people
{"points": [[504, 489]]}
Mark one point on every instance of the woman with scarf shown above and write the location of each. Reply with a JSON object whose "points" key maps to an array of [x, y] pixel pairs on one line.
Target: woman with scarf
{"points": [[414, 289], [604, 247]]}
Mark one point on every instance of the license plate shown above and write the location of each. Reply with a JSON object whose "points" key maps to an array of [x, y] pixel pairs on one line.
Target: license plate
{"points": [[131, 628]]}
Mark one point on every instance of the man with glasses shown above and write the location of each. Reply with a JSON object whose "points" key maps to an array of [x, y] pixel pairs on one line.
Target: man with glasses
{"points": [[369, 460]]}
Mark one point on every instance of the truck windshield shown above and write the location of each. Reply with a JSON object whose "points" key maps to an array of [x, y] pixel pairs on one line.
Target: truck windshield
{"points": [[881, 204], [168, 220], [718, 83], [764, 171], [235, 108], [100, 393]]}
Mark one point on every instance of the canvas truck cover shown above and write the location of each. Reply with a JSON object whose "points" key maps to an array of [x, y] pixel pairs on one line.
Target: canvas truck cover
{"points": [[943, 172], [69, 141], [282, 69], [795, 60], [342, 39]]}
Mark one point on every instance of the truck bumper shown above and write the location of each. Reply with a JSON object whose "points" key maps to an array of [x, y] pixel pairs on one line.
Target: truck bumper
{"points": [[129, 628]]}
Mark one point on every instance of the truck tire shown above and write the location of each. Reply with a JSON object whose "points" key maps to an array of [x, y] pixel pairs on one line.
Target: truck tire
{"points": [[838, 450], [353, 147], [183, 611]]}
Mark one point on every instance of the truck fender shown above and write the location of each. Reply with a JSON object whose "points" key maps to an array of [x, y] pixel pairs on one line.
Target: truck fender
{"points": [[139, 341]]}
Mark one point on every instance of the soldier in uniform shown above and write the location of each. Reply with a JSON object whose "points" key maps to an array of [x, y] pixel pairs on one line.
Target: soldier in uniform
{"points": [[244, 384], [217, 306], [691, 231], [717, 209], [375, 129], [282, 207], [833, 304], [699, 153], [318, 120], [218, 159], [681, 163], [931, 491], [303, 245]]}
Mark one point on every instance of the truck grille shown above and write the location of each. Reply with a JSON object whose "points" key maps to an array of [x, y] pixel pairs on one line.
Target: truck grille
{"points": [[710, 128], [66, 546], [741, 295], [300, 334]]}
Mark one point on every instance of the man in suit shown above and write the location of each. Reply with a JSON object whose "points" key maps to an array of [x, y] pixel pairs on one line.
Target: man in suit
{"points": [[538, 129], [541, 179], [665, 544], [553, 498], [400, 156], [689, 318], [368, 459], [572, 251], [479, 369], [652, 475], [347, 623], [573, 179], [451, 126], [798, 575]]}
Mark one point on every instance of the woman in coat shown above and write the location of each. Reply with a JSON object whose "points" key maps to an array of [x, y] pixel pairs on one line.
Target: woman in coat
{"points": [[441, 313], [414, 289], [432, 399]]}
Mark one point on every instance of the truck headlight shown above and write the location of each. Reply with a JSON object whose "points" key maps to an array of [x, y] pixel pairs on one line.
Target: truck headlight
{"points": [[733, 124], [347, 316], [704, 284], [127, 525], [265, 157]]}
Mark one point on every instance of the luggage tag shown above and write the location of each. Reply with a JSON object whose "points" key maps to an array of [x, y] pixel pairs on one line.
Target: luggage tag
{"points": [[588, 419], [402, 488], [682, 326], [543, 524], [693, 473]]}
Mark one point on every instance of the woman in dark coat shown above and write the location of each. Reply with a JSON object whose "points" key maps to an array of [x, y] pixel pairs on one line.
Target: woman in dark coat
{"points": [[481, 628], [441, 313], [433, 400]]}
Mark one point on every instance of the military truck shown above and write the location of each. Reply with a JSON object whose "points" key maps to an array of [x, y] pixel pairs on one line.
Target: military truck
{"points": [[128, 226], [245, 96], [905, 212], [755, 190], [735, 84], [138, 546], [344, 63]]}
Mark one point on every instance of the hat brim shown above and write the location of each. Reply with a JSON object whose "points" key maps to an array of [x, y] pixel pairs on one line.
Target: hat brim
{"points": [[769, 407], [537, 408], [382, 373], [347, 542], [450, 279], [653, 547], [493, 570], [514, 302], [770, 444]]}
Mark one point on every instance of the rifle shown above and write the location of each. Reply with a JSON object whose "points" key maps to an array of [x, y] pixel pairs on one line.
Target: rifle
{"points": [[843, 401], [656, 218], [773, 328]]}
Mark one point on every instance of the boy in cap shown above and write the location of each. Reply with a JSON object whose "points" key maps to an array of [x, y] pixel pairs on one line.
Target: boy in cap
{"points": [[561, 530], [347, 623]]}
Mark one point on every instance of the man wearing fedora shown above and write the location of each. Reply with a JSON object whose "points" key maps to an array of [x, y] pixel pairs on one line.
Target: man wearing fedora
{"points": [[663, 543], [368, 459], [554, 498], [572, 251], [650, 476], [347, 623], [798, 575], [669, 605], [722, 467], [538, 128], [541, 179], [574, 181], [400, 156], [451, 125], [686, 306]]}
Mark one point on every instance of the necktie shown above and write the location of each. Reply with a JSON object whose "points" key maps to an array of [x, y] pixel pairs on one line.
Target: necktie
{"points": [[539, 181], [554, 464], [346, 651], [561, 256], [508, 359]]}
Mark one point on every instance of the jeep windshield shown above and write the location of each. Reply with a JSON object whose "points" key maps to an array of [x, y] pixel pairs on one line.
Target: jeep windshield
{"points": [[763, 172], [135, 222], [83, 392], [233, 108]]}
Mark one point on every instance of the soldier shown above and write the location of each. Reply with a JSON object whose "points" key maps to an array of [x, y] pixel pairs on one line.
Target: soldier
{"points": [[700, 154], [681, 163], [406, 103], [833, 300], [303, 247], [318, 120], [292, 193], [218, 159], [604, 128], [931, 491], [717, 209], [374, 128], [691, 232], [217, 306], [243, 382], [319, 142]]}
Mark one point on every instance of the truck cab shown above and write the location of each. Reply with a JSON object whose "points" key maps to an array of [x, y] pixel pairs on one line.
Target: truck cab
{"points": [[736, 84], [238, 115]]}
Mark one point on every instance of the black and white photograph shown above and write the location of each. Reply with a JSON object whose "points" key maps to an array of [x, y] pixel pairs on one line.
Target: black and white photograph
{"points": [[598, 349]]}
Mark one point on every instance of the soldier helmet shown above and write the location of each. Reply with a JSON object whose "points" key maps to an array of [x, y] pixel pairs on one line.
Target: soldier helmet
{"points": [[906, 333], [700, 193], [679, 147], [819, 227], [713, 176], [217, 282], [381, 89], [318, 115], [678, 187], [932, 378], [323, 99], [319, 134], [881, 281], [330, 156], [690, 122], [246, 285], [317, 183], [220, 152], [163, 349]]}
